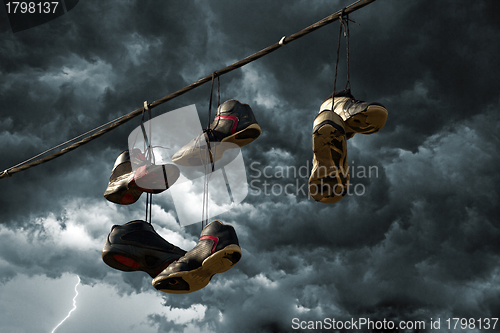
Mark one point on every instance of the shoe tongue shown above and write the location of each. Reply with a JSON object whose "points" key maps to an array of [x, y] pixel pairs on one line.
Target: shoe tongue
{"points": [[344, 93]]}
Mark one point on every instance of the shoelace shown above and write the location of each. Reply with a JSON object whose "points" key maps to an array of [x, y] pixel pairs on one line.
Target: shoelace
{"points": [[208, 134]]}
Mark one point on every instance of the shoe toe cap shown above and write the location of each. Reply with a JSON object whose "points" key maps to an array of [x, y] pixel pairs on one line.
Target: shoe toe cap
{"points": [[172, 284]]}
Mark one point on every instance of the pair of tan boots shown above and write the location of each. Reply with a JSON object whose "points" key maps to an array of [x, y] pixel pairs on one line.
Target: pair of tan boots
{"points": [[339, 119]]}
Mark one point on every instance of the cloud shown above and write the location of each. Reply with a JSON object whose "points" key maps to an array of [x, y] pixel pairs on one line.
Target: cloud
{"points": [[419, 242]]}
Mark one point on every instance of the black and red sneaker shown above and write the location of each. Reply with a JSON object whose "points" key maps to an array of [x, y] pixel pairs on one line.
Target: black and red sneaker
{"points": [[234, 126], [216, 252], [135, 246], [126, 186]]}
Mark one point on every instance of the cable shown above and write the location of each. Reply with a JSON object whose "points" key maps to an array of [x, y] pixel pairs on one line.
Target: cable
{"points": [[283, 41]]}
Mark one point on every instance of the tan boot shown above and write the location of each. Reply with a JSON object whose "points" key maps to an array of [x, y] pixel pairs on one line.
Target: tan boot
{"points": [[358, 116], [329, 179]]}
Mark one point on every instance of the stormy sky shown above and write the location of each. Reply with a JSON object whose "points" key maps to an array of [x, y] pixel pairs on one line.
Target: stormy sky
{"points": [[419, 239]]}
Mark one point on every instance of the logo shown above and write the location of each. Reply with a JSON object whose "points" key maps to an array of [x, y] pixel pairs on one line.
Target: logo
{"points": [[226, 182]]}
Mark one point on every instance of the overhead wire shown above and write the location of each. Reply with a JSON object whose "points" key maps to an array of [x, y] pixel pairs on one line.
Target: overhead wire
{"points": [[121, 120]]}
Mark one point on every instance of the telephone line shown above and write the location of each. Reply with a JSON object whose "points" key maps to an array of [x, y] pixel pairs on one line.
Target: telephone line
{"points": [[284, 40]]}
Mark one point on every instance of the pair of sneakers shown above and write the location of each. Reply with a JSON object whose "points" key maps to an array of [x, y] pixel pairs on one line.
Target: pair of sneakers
{"points": [[341, 116], [234, 126], [136, 246]]}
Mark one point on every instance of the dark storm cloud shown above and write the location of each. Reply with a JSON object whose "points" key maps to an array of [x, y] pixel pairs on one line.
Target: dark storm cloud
{"points": [[55, 88], [420, 242]]}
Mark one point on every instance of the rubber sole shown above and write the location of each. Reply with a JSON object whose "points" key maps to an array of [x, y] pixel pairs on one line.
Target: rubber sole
{"points": [[121, 257], [329, 178], [367, 122], [190, 281], [245, 136], [240, 139]]}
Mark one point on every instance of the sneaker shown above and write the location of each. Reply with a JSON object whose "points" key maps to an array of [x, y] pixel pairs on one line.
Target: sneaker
{"points": [[216, 252], [358, 116], [126, 186], [136, 246], [329, 179], [234, 126]]}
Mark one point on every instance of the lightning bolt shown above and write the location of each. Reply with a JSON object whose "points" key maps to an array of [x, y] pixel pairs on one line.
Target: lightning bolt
{"points": [[74, 306]]}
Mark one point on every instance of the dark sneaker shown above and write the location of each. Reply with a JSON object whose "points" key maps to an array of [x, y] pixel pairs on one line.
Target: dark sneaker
{"points": [[358, 116], [234, 126], [216, 252], [329, 179], [136, 246], [126, 186]]}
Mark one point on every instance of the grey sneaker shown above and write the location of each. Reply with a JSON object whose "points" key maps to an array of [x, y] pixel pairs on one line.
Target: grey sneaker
{"points": [[126, 186]]}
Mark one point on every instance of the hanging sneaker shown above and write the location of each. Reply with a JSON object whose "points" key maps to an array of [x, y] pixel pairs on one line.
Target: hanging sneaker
{"points": [[234, 126], [329, 179], [136, 246], [216, 252], [126, 186], [358, 116]]}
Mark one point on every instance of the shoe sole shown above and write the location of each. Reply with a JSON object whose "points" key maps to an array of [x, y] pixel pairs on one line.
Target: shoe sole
{"points": [[331, 176], [367, 122], [121, 257], [236, 140], [245, 136], [241, 138], [196, 279]]}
